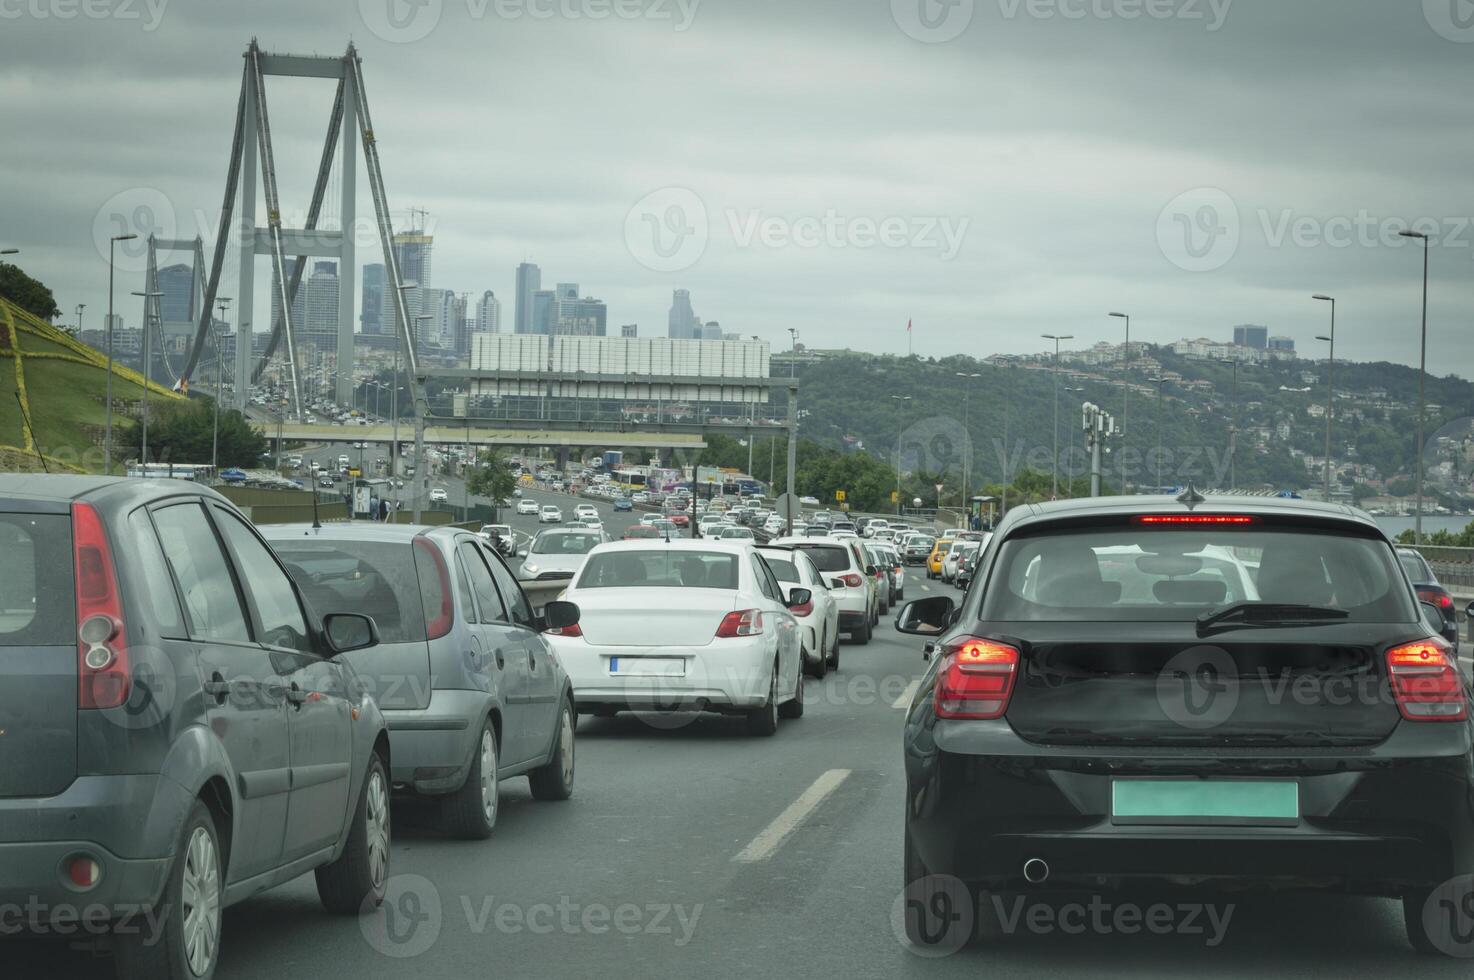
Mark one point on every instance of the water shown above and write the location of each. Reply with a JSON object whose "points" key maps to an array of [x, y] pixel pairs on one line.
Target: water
{"points": [[1396, 525]]}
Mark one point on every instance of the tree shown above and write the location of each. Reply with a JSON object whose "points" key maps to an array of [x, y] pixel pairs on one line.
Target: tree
{"points": [[491, 476], [182, 432], [27, 293]]}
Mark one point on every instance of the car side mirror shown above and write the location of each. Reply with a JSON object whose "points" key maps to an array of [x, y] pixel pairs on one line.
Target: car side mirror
{"points": [[926, 617], [346, 632], [871, 570], [559, 614], [799, 597], [1432, 617], [1469, 611]]}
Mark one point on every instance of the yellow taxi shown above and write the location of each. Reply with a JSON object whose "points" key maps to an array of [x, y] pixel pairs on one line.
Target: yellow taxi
{"points": [[934, 560]]}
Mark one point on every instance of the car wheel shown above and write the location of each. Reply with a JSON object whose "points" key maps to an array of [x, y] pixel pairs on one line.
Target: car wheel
{"points": [[833, 654], [554, 781], [764, 720], [816, 662], [862, 635], [937, 908], [795, 708], [189, 944], [1441, 941], [355, 882]]}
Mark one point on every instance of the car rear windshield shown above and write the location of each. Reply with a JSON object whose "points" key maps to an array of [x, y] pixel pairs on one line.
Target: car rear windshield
{"points": [[783, 568], [36, 603], [565, 543], [826, 557], [1159, 574], [665, 568], [376, 578], [1417, 569]]}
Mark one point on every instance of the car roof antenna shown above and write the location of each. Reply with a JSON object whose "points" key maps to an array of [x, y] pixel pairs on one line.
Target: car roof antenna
{"points": [[1190, 496]]}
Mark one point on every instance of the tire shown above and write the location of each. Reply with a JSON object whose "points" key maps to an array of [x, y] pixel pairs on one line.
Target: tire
{"points": [[1442, 943], [926, 892], [817, 671], [833, 654], [355, 882], [862, 635], [470, 812], [554, 781], [187, 931], [795, 708], [764, 721]]}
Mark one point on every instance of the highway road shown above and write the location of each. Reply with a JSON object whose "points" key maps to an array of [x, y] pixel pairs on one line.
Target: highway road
{"points": [[692, 849]]}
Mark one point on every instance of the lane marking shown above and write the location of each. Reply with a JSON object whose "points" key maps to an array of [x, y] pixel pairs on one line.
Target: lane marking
{"points": [[773, 836], [910, 692]]}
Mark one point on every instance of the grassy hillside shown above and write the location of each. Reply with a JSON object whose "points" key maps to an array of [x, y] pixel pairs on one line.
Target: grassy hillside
{"points": [[63, 385]]}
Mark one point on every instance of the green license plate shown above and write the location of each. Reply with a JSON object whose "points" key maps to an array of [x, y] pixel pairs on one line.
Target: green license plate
{"points": [[1227, 802]]}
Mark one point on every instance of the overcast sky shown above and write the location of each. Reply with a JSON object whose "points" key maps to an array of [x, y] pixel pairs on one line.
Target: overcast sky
{"points": [[989, 169]]}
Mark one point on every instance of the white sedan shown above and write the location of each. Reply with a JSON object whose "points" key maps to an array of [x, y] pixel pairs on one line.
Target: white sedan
{"points": [[438, 496], [684, 625], [585, 510], [527, 506], [550, 514], [818, 618]]}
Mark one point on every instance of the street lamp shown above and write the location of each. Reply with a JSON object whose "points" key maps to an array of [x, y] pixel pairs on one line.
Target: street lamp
{"points": [[967, 430], [107, 438], [1070, 487], [1056, 338], [1125, 392], [147, 376], [222, 302], [1330, 386], [1422, 374], [1158, 381], [903, 399], [80, 308], [16, 251]]}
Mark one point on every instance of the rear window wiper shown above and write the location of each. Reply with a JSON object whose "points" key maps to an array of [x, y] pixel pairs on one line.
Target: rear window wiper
{"points": [[1266, 614]]}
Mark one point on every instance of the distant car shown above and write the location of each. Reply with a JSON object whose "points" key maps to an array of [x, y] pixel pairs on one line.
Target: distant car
{"points": [[585, 510], [737, 534], [559, 552], [634, 531], [842, 564], [680, 520], [623, 504], [527, 506], [819, 617], [809, 501], [438, 496], [326, 481], [550, 514], [1430, 590]]}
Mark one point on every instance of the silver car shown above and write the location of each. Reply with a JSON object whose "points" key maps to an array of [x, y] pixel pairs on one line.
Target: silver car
{"points": [[559, 552], [465, 679]]}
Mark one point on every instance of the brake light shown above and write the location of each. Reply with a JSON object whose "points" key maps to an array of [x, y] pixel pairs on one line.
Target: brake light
{"points": [[437, 621], [103, 677], [976, 679], [1440, 599], [1426, 682], [803, 610], [852, 581], [573, 630], [741, 622], [1196, 519]]}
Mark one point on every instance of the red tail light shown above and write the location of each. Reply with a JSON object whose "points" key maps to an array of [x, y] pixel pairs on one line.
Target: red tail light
{"points": [[103, 677], [976, 679], [438, 621], [852, 580], [573, 630], [1195, 519], [803, 610], [741, 622], [1440, 599], [1426, 682]]}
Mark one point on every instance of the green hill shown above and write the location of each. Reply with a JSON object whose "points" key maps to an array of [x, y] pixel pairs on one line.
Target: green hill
{"points": [[62, 384]]}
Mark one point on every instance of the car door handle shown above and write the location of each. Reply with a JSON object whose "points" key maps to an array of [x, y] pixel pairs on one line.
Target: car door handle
{"points": [[296, 695], [532, 661], [218, 687], [501, 660]]}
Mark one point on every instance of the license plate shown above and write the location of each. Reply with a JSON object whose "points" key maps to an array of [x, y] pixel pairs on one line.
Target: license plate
{"points": [[647, 666], [1228, 802]]}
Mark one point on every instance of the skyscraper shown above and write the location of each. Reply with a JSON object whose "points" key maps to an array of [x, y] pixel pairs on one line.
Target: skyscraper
{"points": [[176, 282], [544, 312], [1249, 335], [319, 322], [412, 251], [684, 324], [299, 307], [584, 317], [529, 282], [371, 307], [488, 314]]}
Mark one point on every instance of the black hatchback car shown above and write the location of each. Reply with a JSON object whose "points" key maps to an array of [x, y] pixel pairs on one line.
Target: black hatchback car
{"points": [[1428, 589], [1223, 691]]}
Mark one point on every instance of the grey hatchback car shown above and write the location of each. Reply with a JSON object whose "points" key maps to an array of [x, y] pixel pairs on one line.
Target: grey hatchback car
{"points": [[177, 731], [469, 687]]}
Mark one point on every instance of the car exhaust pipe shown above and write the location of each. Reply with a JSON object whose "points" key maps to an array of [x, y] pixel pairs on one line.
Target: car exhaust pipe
{"points": [[1035, 871]]}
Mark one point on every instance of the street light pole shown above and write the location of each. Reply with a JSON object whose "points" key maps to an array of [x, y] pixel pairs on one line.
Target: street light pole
{"points": [[1422, 375], [1157, 380], [147, 374], [1233, 432], [224, 302], [107, 438], [900, 430], [1330, 387], [967, 432], [1054, 493], [1125, 392], [1070, 486]]}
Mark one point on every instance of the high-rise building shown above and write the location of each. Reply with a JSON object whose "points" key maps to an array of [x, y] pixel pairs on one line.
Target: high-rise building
{"points": [[319, 322], [371, 307], [583, 317], [412, 252], [299, 306], [567, 291], [488, 314], [439, 332], [629, 330], [1249, 335], [1281, 343], [711, 331], [683, 323], [176, 282], [544, 312], [529, 282]]}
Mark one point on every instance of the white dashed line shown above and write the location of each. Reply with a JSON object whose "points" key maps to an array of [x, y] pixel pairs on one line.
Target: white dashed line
{"points": [[773, 836], [910, 692]]}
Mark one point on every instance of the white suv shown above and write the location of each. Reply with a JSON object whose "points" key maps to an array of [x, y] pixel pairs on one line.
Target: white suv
{"points": [[840, 561]]}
